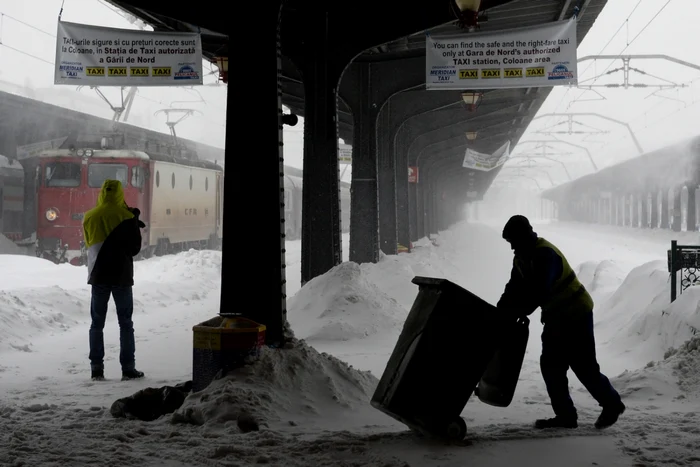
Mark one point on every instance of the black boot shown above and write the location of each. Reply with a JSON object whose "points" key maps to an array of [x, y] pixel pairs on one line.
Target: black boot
{"points": [[556, 422], [132, 374], [98, 375], [609, 416]]}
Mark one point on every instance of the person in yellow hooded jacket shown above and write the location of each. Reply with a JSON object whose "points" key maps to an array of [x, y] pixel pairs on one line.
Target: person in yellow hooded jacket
{"points": [[112, 237], [542, 277]]}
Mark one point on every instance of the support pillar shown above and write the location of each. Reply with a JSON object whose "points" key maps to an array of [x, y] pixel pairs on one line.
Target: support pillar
{"points": [[264, 111], [388, 237], [366, 87], [691, 216], [664, 208], [404, 190], [654, 214], [421, 193], [644, 200], [321, 67], [634, 201], [676, 222], [364, 209]]}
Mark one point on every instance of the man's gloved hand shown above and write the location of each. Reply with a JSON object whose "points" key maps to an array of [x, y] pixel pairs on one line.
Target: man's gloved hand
{"points": [[137, 212]]}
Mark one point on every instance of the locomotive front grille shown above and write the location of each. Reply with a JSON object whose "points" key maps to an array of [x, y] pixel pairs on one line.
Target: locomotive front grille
{"points": [[49, 243]]}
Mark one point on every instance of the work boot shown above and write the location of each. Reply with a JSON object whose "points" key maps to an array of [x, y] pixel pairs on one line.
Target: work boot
{"points": [[98, 375], [131, 374], [556, 422], [609, 416]]}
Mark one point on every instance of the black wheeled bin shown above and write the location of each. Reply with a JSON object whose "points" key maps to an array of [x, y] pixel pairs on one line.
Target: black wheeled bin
{"points": [[498, 383], [445, 346]]}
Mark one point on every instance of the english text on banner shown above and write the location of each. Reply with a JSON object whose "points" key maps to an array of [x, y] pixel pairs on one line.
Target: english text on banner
{"points": [[536, 56]]}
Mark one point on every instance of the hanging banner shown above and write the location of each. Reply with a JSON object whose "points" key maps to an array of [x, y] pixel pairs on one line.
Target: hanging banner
{"points": [[96, 56], [485, 162], [536, 56], [345, 154]]}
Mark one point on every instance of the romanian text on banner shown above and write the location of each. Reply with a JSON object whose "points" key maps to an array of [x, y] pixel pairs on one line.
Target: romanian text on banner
{"points": [[536, 56], [485, 162], [96, 56]]}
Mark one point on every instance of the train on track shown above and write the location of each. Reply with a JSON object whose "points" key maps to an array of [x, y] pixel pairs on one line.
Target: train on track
{"points": [[181, 199], [293, 184]]}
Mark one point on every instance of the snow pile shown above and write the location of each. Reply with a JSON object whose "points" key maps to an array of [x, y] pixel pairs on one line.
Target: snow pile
{"points": [[343, 304], [39, 298], [280, 387], [685, 362], [33, 313], [601, 278], [188, 265], [640, 320]]}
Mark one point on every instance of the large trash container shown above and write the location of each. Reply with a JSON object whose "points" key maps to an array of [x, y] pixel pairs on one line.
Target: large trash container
{"points": [[498, 383], [446, 343]]}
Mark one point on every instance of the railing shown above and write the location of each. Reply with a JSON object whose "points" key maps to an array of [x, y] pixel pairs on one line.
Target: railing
{"points": [[686, 260]]}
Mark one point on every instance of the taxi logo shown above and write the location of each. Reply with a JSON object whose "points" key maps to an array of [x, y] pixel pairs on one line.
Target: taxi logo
{"points": [[139, 71], [162, 71], [535, 72], [513, 73], [492, 73], [94, 71], [468, 74], [117, 71]]}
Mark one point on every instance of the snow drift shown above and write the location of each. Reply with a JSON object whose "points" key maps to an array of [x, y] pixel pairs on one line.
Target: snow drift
{"points": [[639, 319], [601, 278], [343, 304], [282, 386]]}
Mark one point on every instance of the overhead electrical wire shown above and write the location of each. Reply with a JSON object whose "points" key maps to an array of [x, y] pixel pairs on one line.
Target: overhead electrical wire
{"points": [[599, 53], [622, 51]]}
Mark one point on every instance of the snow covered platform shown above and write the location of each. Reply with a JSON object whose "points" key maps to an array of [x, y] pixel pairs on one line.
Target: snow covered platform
{"points": [[313, 409]]}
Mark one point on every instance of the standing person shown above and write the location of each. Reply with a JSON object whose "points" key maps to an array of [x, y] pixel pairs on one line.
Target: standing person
{"points": [[542, 277], [113, 237]]}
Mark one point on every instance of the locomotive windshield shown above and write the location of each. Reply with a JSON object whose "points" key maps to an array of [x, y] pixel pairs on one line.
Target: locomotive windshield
{"points": [[98, 173], [62, 174]]}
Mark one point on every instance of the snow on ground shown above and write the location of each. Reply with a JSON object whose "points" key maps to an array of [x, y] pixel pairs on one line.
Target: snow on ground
{"points": [[311, 408]]}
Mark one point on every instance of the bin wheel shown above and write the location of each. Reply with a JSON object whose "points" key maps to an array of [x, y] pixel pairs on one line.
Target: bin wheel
{"points": [[457, 429]]}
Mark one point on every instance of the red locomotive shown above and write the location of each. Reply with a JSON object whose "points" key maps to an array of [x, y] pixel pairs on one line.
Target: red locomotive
{"points": [[181, 201]]}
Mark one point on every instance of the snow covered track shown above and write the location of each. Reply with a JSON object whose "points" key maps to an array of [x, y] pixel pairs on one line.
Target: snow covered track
{"points": [[313, 409]]}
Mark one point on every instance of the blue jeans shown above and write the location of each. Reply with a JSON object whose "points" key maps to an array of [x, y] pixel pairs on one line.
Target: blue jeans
{"points": [[124, 300], [571, 344]]}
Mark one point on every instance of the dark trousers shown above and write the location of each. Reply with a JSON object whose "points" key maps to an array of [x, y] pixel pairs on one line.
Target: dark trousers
{"points": [[124, 300], [568, 344]]}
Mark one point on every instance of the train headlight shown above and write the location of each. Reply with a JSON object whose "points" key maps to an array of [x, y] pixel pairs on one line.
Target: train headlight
{"points": [[51, 214]]}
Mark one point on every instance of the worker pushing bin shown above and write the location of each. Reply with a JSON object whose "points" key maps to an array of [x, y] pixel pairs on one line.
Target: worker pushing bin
{"points": [[448, 341]]}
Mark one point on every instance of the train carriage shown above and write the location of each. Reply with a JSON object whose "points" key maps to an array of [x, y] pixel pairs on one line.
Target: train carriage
{"points": [[11, 198], [180, 200]]}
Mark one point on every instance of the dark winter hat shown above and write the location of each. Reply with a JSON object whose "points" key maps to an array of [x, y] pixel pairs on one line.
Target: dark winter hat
{"points": [[517, 227]]}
